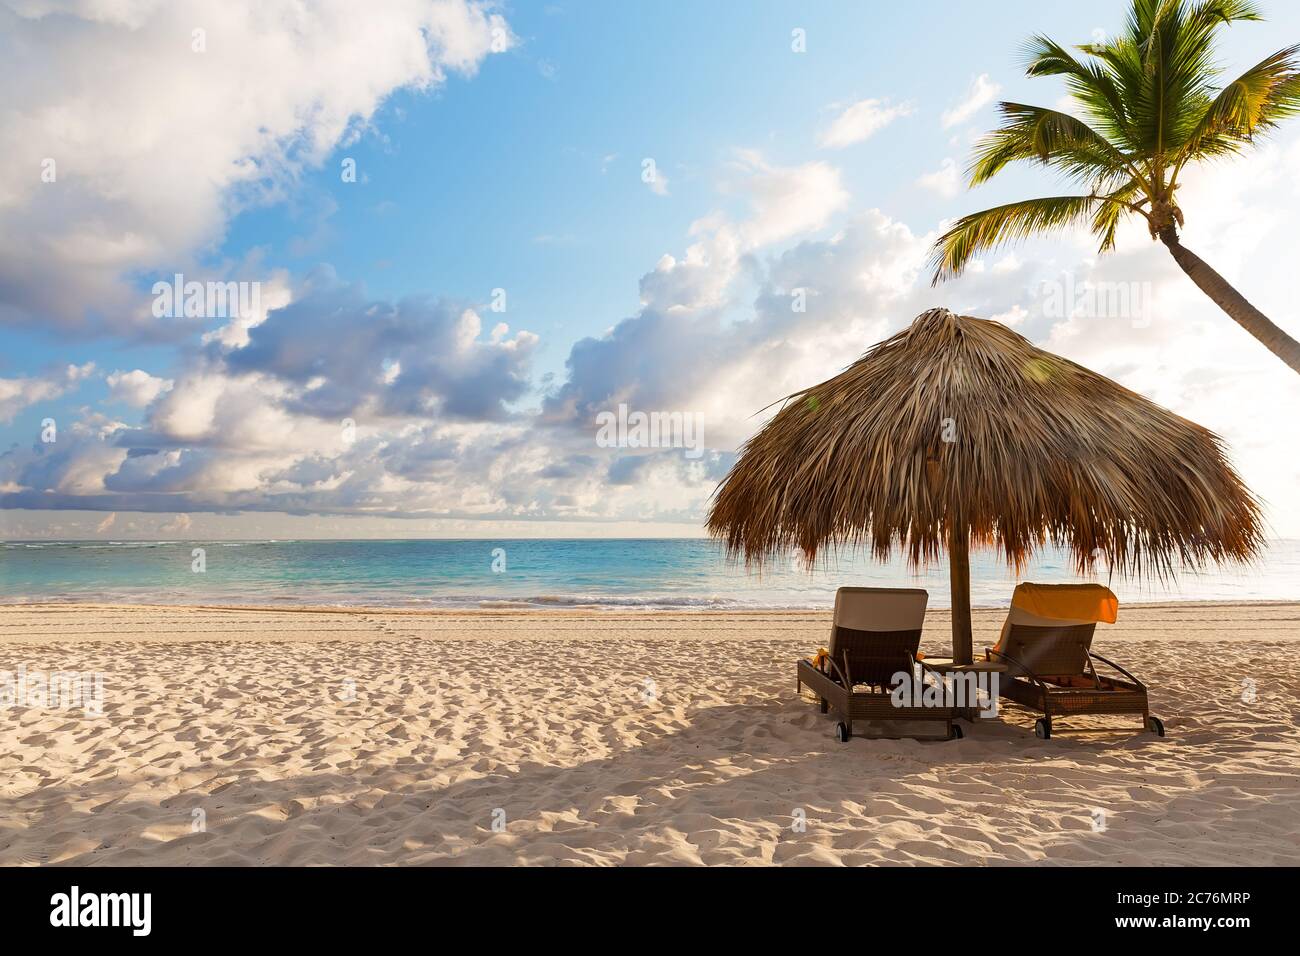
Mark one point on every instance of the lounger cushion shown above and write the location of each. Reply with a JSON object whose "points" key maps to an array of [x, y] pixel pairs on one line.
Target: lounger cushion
{"points": [[876, 631], [880, 609], [1054, 605], [1089, 603]]}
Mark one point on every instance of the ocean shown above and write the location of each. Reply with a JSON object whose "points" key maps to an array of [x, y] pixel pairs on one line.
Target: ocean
{"points": [[539, 573]]}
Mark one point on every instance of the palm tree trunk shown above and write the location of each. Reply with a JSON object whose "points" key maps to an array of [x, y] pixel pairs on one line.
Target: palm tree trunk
{"points": [[963, 650], [1233, 302]]}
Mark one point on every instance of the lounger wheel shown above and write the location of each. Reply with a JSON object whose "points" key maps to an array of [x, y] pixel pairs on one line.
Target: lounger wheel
{"points": [[957, 733], [1042, 728], [1156, 726], [842, 732]]}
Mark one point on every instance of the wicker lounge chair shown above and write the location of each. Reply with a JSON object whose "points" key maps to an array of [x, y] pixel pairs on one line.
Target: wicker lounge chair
{"points": [[874, 636], [1046, 643]]}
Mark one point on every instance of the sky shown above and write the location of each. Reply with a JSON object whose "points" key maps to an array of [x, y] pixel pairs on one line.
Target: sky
{"points": [[461, 231]]}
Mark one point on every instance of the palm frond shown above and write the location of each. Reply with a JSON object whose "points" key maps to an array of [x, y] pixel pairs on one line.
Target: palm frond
{"points": [[1087, 83], [1150, 102], [1223, 12], [1121, 62], [1001, 225], [1188, 69], [1049, 137], [1252, 103], [1121, 202]]}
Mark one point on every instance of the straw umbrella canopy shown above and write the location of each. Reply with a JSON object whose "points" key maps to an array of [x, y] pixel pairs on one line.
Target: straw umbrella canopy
{"points": [[957, 431]]}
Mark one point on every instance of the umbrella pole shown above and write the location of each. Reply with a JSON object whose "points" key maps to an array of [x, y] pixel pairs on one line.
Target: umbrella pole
{"points": [[963, 651]]}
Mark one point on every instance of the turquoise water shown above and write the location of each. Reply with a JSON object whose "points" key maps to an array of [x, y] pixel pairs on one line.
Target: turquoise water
{"points": [[610, 573]]}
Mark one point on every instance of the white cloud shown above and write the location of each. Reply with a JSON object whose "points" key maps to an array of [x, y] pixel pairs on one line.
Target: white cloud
{"points": [[982, 91], [1012, 317], [273, 293], [178, 525], [18, 393], [107, 86], [676, 354], [859, 121], [782, 201], [256, 426], [786, 201], [136, 388], [946, 180], [656, 181]]}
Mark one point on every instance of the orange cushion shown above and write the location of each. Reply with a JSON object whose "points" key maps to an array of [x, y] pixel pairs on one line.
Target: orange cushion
{"points": [[1076, 602]]}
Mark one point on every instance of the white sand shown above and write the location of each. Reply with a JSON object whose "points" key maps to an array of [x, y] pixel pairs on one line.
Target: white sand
{"points": [[625, 738]]}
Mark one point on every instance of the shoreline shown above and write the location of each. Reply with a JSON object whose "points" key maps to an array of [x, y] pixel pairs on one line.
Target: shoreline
{"points": [[594, 608], [1192, 621]]}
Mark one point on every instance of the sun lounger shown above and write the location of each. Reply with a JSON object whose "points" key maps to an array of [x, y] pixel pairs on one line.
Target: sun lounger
{"points": [[874, 636], [1046, 644]]}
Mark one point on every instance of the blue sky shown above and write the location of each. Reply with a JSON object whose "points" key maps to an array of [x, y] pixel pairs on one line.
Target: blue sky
{"points": [[522, 170]]}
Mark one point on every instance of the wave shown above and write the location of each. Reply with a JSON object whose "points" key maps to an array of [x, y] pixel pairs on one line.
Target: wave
{"points": [[451, 602], [171, 543], [560, 601]]}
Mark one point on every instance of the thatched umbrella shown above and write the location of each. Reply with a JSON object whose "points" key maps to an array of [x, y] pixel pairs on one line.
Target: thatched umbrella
{"points": [[958, 431]]}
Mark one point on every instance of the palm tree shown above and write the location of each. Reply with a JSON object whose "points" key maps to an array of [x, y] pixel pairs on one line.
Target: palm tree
{"points": [[1152, 107]]}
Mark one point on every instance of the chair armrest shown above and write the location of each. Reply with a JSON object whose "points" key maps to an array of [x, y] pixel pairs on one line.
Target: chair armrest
{"points": [[835, 672], [1001, 655], [1141, 686], [846, 674], [927, 670]]}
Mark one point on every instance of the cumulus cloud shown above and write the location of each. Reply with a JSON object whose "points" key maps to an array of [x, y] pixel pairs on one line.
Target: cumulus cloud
{"points": [[982, 92], [860, 121], [136, 388], [177, 525], [785, 201], [94, 188], [679, 353], [73, 467], [434, 391], [946, 180], [18, 393], [338, 352], [782, 292], [335, 402], [271, 293]]}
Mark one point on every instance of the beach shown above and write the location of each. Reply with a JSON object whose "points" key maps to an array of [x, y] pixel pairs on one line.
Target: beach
{"points": [[245, 736]]}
